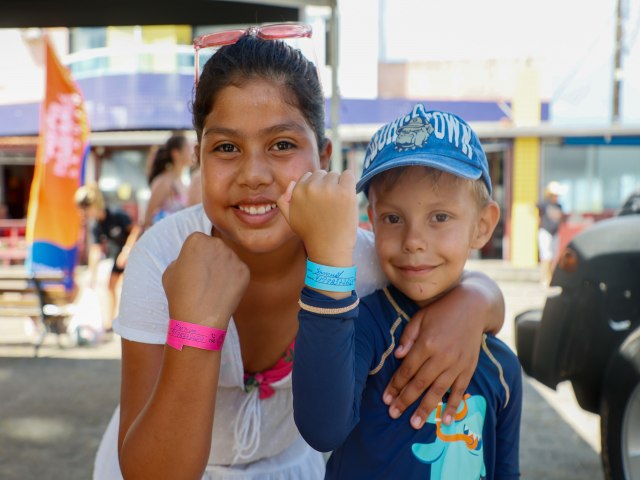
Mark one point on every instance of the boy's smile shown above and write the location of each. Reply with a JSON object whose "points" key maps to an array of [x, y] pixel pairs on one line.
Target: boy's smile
{"points": [[424, 230]]}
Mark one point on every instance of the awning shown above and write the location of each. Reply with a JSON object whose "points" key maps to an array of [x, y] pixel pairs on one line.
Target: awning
{"points": [[77, 13], [83, 13]]}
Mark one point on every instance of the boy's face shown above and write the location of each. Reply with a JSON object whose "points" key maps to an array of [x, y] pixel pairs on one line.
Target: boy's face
{"points": [[424, 230]]}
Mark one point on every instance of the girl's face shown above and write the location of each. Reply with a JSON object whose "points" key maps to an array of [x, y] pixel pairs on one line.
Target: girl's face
{"points": [[253, 145]]}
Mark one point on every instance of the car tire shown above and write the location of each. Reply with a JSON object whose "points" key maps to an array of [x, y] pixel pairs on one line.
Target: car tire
{"points": [[620, 419]]}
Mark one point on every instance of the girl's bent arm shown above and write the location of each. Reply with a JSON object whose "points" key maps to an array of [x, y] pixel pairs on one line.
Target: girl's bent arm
{"points": [[441, 346], [168, 395]]}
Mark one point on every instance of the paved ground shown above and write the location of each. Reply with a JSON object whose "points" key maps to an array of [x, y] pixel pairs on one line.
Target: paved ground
{"points": [[55, 408]]}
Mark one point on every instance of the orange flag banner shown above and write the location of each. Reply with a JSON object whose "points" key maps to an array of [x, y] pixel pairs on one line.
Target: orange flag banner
{"points": [[53, 220]]}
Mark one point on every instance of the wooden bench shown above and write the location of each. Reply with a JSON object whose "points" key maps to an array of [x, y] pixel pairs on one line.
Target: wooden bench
{"points": [[40, 296]]}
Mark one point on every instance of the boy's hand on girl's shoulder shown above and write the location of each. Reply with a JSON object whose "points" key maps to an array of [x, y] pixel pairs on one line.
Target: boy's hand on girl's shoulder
{"points": [[322, 209], [205, 284]]}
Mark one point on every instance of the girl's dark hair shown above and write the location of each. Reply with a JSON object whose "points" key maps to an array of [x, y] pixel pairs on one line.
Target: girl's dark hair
{"points": [[163, 158], [253, 58]]}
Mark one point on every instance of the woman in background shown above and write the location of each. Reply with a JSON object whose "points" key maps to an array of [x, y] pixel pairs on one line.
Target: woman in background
{"points": [[168, 192], [194, 192]]}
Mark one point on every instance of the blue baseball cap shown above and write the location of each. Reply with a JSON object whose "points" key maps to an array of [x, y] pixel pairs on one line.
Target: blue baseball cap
{"points": [[430, 138]]}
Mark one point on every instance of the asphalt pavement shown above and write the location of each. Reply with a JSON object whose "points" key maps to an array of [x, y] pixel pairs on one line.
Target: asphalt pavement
{"points": [[54, 408]]}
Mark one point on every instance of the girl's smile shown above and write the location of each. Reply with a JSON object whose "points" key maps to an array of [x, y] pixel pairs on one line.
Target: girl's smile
{"points": [[257, 213], [257, 209]]}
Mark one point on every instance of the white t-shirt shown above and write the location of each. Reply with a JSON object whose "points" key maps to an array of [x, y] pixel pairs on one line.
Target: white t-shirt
{"points": [[258, 437]]}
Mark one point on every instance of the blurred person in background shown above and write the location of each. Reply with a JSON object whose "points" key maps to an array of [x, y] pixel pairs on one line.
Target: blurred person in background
{"points": [[194, 192], [550, 217], [168, 192], [113, 235]]}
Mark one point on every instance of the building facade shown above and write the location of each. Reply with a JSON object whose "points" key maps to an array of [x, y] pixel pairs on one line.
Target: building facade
{"points": [[137, 82]]}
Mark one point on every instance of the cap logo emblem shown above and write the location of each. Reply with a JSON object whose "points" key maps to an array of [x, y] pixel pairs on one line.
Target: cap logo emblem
{"points": [[414, 134]]}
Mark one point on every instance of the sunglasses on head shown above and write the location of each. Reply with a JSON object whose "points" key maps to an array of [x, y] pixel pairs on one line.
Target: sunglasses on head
{"points": [[215, 40]]}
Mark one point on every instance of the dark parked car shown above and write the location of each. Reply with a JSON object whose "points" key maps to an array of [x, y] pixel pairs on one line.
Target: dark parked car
{"points": [[589, 334], [631, 206]]}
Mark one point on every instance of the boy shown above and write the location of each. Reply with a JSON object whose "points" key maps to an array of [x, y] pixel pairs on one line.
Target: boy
{"points": [[426, 178]]}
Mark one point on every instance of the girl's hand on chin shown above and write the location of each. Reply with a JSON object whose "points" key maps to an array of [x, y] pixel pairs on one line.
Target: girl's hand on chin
{"points": [[205, 284]]}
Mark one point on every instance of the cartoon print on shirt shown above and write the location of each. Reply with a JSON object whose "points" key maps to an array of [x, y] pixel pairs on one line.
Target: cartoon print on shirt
{"points": [[457, 451]]}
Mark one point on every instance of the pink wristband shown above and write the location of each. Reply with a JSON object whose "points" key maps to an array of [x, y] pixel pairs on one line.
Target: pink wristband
{"points": [[193, 335]]}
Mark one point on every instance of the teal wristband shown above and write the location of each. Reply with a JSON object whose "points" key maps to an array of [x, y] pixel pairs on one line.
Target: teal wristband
{"points": [[331, 279]]}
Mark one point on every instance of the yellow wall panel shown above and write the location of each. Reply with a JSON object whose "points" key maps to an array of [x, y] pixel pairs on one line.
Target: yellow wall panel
{"points": [[525, 110], [524, 212], [172, 34]]}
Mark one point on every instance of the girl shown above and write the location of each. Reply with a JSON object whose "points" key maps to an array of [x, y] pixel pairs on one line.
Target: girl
{"points": [[233, 263], [168, 192]]}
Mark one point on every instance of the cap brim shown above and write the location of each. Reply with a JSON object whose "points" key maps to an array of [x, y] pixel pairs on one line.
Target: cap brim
{"points": [[439, 162]]}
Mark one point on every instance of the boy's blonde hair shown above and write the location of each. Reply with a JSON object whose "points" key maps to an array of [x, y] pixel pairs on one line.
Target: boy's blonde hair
{"points": [[388, 178]]}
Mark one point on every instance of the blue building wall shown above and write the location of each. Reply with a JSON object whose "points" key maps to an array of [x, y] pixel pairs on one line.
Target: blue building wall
{"points": [[148, 101]]}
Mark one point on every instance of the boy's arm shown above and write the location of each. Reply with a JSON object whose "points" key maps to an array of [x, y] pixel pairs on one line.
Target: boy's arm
{"points": [[440, 346], [321, 209], [330, 370]]}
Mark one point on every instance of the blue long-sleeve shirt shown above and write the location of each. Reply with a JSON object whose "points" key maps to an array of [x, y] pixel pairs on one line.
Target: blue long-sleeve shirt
{"points": [[342, 366]]}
